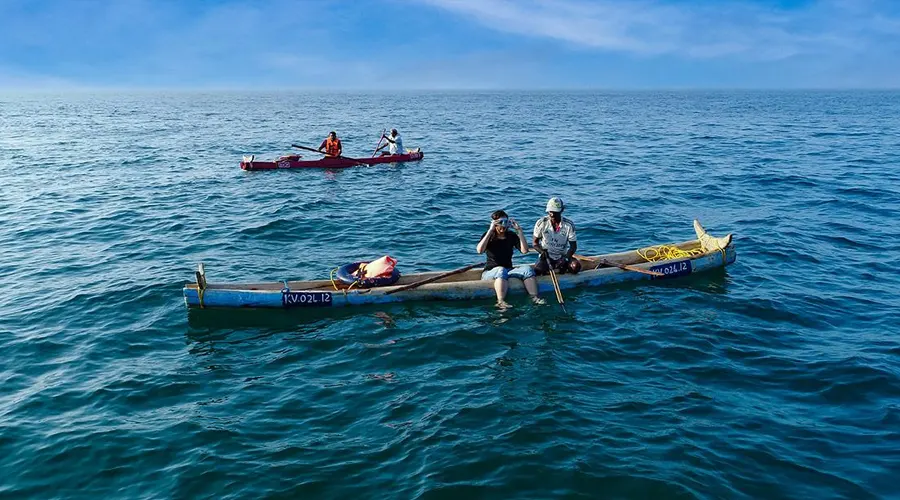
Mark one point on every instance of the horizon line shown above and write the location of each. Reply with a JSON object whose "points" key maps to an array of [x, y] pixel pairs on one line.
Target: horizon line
{"points": [[57, 90]]}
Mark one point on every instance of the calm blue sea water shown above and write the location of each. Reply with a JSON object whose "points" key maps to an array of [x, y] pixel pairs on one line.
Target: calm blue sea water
{"points": [[778, 378]]}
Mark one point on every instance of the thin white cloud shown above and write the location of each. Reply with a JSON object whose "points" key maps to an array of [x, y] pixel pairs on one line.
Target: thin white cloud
{"points": [[279, 43], [700, 30]]}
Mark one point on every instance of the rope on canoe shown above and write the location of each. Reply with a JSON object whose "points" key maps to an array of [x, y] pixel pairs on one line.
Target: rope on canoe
{"points": [[667, 252], [345, 290], [332, 278]]}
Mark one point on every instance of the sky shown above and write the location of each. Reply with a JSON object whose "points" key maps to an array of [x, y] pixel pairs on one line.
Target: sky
{"points": [[449, 44]]}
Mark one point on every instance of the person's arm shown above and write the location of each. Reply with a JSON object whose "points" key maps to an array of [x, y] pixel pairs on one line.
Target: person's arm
{"points": [[536, 243], [482, 245], [573, 242], [322, 146], [386, 144], [340, 148], [523, 244], [573, 247]]}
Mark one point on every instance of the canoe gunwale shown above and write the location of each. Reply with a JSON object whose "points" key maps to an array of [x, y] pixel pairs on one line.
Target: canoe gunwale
{"points": [[317, 285]]}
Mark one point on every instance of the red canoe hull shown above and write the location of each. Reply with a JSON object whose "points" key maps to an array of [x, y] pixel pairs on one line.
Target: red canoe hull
{"points": [[330, 162]]}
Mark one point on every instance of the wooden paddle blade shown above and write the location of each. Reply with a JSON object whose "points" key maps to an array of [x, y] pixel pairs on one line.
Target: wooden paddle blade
{"points": [[624, 267], [379, 142], [328, 155], [555, 281]]}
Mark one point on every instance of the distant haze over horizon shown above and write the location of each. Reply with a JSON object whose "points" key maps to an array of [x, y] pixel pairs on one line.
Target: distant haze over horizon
{"points": [[422, 45]]}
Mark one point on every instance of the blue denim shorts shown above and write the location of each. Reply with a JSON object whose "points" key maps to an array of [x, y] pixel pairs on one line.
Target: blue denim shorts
{"points": [[522, 272]]}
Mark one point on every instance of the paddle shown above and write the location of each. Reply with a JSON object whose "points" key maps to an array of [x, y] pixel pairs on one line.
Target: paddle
{"points": [[321, 153], [379, 142], [555, 280], [624, 267], [433, 278]]}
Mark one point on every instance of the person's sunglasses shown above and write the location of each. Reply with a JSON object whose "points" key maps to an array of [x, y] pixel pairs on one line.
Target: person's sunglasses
{"points": [[503, 222]]}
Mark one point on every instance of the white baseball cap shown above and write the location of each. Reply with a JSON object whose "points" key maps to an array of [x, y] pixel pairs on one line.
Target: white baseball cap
{"points": [[555, 205]]}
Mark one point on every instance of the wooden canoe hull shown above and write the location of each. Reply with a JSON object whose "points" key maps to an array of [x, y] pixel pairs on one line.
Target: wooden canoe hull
{"points": [[330, 162], [465, 286]]}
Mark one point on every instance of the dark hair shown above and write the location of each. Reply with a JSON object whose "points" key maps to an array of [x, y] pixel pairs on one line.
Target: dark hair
{"points": [[497, 214], [333, 133]]}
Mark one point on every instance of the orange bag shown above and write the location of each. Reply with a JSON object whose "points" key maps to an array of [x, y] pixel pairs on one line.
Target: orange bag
{"points": [[378, 268]]}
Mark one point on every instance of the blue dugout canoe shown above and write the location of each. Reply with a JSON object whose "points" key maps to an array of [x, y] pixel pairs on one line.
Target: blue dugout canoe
{"points": [[706, 252]]}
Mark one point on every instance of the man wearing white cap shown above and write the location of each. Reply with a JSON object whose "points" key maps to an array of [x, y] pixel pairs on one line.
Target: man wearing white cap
{"points": [[555, 240]]}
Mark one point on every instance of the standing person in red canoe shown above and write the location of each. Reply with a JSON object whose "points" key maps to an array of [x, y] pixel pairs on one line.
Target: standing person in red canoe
{"points": [[394, 142], [331, 146], [555, 240]]}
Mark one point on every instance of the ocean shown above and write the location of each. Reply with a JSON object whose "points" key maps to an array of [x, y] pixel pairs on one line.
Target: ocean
{"points": [[778, 377]]}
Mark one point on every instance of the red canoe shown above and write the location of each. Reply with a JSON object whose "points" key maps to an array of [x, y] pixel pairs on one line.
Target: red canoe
{"points": [[249, 163]]}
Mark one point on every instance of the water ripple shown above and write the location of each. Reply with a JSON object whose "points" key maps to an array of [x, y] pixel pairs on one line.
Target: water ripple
{"points": [[777, 378]]}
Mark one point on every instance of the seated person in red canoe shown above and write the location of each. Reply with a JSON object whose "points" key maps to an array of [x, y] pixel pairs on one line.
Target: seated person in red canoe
{"points": [[499, 242], [394, 142], [331, 146]]}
